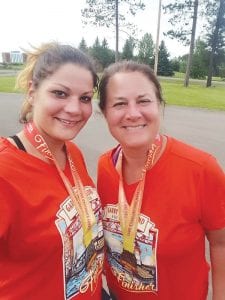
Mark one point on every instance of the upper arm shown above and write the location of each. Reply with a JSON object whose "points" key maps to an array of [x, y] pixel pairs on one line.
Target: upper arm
{"points": [[216, 237]]}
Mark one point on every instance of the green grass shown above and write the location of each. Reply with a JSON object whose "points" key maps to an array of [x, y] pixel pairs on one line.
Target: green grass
{"points": [[7, 84], [179, 75], [196, 95]]}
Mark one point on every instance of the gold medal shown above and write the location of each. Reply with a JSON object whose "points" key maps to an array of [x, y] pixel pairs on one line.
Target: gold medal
{"points": [[129, 214]]}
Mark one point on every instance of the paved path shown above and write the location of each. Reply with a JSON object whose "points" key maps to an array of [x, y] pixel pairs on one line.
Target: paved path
{"points": [[199, 127]]}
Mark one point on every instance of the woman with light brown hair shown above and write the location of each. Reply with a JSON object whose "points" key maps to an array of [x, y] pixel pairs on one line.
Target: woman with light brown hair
{"points": [[160, 196]]}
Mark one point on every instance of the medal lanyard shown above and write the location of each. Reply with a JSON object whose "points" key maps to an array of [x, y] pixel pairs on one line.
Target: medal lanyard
{"points": [[129, 214], [78, 196]]}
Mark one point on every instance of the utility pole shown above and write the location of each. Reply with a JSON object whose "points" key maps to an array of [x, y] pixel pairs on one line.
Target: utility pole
{"points": [[157, 39], [117, 32]]}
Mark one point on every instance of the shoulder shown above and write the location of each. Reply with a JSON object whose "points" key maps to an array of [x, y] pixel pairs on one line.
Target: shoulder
{"points": [[105, 156], [3, 144], [7, 152], [75, 151], [109, 158], [78, 160], [188, 154], [106, 168]]}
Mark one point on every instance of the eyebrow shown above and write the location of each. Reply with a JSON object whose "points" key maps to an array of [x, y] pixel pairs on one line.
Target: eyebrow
{"points": [[68, 89], [60, 84], [139, 96], [144, 95]]}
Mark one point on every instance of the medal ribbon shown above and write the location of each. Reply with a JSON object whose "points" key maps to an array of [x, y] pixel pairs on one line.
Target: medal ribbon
{"points": [[78, 196], [129, 214]]}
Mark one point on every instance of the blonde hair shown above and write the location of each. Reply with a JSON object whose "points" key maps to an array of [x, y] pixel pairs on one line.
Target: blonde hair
{"points": [[42, 62]]}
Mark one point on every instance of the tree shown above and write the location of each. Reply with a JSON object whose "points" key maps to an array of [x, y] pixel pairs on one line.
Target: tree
{"points": [[101, 54], [128, 49], [107, 56], [146, 50], [164, 65], [175, 64], [182, 12], [200, 60], [83, 46], [216, 32], [106, 13], [95, 52]]}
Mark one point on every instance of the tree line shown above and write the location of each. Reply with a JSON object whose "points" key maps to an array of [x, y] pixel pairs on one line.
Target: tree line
{"points": [[184, 15], [143, 51]]}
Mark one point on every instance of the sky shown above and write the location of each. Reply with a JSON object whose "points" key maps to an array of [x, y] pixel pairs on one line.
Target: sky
{"points": [[32, 22]]}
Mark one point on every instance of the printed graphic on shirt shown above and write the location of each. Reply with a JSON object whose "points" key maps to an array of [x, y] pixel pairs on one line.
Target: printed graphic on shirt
{"points": [[136, 271], [82, 265]]}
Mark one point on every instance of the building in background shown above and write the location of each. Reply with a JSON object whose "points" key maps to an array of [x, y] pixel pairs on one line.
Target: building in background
{"points": [[13, 57]]}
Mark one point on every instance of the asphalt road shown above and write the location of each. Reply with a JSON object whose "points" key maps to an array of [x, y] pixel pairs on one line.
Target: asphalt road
{"points": [[202, 128]]}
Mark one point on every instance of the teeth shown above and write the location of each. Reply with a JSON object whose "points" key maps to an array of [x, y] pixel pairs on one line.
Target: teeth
{"points": [[134, 127], [67, 122]]}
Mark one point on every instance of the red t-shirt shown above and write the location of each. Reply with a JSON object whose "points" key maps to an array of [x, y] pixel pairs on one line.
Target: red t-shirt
{"points": [[184, 197], [42, 253]]}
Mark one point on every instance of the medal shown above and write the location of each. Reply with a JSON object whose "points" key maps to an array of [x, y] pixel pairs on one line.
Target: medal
{"points": [[129, 214]]}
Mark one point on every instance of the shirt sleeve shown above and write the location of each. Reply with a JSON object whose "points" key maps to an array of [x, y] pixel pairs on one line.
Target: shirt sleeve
{"points": [[212, 190], [7, 207]]}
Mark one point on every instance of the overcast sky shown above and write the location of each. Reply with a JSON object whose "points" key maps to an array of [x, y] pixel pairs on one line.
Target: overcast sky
{"points": [[25, 22]]}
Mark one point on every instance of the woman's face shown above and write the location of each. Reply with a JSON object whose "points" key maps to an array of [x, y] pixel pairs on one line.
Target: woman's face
{"points": [[62, 103], [132, 109]]}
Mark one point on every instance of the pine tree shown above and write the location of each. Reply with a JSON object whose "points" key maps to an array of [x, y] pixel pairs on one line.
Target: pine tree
{"points": [[106, 13], [83, 46], [164, 65], [128, 49]]}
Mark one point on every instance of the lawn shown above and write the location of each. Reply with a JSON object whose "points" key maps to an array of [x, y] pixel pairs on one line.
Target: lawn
{"points": [[7, 84], [196, 95]]}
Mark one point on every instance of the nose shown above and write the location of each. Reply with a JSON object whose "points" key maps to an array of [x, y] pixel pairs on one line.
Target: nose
{"points": [[73, 106], [133, 111]]}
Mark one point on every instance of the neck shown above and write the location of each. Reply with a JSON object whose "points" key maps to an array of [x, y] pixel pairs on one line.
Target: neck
{"points": [[134, 161], [133, 164]]}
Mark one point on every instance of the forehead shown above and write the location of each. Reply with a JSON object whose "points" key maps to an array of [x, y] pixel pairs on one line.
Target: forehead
{"points": [[130, 80], [70, 72]]}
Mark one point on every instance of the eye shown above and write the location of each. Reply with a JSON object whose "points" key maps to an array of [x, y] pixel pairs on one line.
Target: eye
{"points": [[145, 101], [119, 104], [59, 94], [85, 99]]}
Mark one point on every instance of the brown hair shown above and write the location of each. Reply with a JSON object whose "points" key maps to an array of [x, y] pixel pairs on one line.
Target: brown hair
{"points": [[126, 66], [42, 62]]}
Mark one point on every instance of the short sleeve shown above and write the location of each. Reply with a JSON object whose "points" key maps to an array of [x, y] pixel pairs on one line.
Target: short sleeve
{"points": [[7, 207], [212, 190]]}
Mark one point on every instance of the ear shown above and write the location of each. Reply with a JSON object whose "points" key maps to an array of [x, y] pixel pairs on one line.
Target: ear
{"points": [[31, 92]]}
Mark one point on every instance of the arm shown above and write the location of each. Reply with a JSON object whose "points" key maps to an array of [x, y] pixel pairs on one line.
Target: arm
{"points": [[217, 255]]}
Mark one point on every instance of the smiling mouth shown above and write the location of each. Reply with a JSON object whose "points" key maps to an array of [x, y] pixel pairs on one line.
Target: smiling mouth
{"points": [[133, 127], [67, 122]]}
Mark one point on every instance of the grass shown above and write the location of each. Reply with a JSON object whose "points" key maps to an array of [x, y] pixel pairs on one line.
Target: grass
{"points": [[7, 84], [196, 95]]}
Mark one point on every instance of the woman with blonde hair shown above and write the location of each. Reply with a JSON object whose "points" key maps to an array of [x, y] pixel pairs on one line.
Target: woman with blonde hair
{"points": [[51, 238]]}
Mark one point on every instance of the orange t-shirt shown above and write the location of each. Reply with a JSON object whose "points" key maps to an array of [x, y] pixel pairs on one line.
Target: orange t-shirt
{"points": [[42, 253], [184, 197]]}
